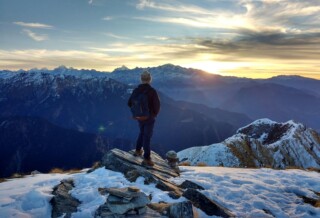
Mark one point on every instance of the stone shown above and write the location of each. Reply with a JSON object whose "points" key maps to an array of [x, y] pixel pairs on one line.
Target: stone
{"points": [[166, 186], [172, 155], [138, 201], [188, 184], [174, 210], [117, 200], [161, 207], [62, 202], [133, 189], [172, 160], [209, 206], [122, 192], [35, 172], [130, 166], [181, 210]]}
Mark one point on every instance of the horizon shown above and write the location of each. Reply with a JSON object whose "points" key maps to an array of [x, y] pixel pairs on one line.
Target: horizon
{"points": [[148, 67], [245, 38]]}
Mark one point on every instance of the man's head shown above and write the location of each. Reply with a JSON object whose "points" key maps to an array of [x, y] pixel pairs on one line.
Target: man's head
{"points": [[145, 77]]}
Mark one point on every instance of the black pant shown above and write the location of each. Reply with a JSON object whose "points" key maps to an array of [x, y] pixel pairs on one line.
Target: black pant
{"points": [[146, 131]]}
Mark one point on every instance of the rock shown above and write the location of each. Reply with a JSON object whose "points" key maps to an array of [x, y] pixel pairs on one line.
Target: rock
{"points": [[188, 184], [181, 210], [174, 210], [117, 200], [139, 201], [130, 166], [122, 192], [162, 207], [210, 207], [62, 202], [173, 189], [172, 155], [35, 172], [127, 200], [133, 189]]}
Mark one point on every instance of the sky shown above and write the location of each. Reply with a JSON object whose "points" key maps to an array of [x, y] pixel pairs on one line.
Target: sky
{"points": [[251, 38]]}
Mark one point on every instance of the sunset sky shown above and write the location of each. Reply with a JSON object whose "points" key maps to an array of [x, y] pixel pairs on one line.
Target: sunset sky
{"points": [[251, 38]]}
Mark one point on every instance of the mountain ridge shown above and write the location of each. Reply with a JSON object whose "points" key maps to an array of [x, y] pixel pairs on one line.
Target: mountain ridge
{"points": [[262, 143]]}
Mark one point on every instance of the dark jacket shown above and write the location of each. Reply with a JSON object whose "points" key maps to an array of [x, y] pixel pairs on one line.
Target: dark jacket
{"points": [[153, 98]]}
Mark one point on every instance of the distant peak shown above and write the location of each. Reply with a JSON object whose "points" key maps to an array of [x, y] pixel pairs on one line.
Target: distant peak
{"points": [[61, 67], [123, 67], [287, 77]]}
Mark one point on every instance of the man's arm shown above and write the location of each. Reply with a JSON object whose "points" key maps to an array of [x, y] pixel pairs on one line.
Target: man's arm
{"points": [[129, 101], [156, 103]]}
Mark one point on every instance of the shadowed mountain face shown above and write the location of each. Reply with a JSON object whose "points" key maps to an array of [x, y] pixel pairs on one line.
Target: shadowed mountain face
{"points": [[29, 144], [276, 102], [280, 98], [97, 105]]}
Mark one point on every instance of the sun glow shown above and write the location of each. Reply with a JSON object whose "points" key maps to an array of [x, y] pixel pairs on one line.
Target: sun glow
{"points": [[216, 67]]}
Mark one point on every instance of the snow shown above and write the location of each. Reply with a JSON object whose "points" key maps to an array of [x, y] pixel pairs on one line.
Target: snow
{"points": [[263, 121], [214, 155], [29, 196], [246, 192], [250, 192]]}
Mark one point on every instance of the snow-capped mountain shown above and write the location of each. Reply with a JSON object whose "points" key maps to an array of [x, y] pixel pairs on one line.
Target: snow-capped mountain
{"points": [[95, 105], [262, 143]]}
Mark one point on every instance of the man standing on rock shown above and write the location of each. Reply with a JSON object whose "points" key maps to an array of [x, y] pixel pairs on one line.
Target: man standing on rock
{"points": [[145, 106]]}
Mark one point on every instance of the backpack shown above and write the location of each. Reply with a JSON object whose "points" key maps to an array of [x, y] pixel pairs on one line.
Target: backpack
{"points": [[140, 105]]}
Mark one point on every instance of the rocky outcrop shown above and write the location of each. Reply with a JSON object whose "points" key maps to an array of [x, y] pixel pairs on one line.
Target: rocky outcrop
{"points": [[130, 166], [263, 143], [63, 204], [129, 201]]}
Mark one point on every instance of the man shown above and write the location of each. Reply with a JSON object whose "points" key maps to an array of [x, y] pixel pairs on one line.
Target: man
{"points": [[146, 125]]}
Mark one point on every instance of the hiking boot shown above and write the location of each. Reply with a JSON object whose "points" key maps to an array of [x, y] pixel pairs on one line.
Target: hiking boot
{"points": [[147, 162], [138, 153]]}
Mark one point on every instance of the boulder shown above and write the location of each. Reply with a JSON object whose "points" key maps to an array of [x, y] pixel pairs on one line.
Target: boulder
{"points": [[209, 206], [188, 184], [62, 202]]}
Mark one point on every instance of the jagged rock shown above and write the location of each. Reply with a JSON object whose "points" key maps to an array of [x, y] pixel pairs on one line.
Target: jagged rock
{"points": [[188, 184], [174, 210], [130, 166], [62, 202], [210, 207]]}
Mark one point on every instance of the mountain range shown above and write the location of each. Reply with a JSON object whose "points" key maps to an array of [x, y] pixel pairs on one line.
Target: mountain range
{"points": [[96, 106], [197, 108]]}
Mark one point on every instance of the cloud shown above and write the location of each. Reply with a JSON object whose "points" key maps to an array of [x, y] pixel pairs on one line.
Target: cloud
{"points": [[160, 38], [115, 36], [34, 25], [107, 18], [257, 15], [90, 2], [35, 36]]}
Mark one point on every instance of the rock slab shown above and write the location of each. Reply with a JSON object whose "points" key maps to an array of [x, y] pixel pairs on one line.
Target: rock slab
{"points": [[130, 166], [210, 207]]}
